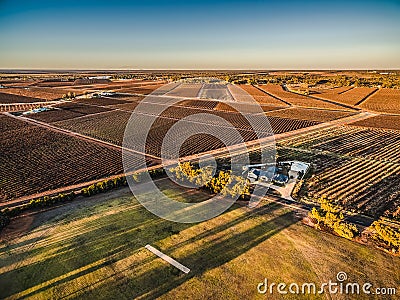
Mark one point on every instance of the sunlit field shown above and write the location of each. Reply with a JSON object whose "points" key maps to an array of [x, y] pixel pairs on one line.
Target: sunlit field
{"points": [[95, 249]]}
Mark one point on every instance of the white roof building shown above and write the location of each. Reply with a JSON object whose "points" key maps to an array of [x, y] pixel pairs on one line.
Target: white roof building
{"points": [[298, 166]]}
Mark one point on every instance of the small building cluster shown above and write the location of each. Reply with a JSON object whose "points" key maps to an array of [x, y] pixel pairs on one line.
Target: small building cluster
{"points": [[279, 174], [104, 94], [36, 110]]}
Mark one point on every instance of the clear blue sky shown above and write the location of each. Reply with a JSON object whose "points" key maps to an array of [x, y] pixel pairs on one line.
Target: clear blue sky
{"points": [[200, 34]]}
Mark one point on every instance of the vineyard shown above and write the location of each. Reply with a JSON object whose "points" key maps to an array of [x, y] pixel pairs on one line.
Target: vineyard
{"points": [[185, 90], [130, 102], [102, 101], [350, 96], [38, 92], [110, 127], [329, 90], [8, 124], [227, 106], [257, 94], [384, 100], [238, 120], [17, 107], [204, 104], [215, 92], [195, 144], [129, 106], [381, 121], [352, 141], [367, 186], [128, 97], [245, 107], [67, 111], [357, 165], [163, 89], [200, 143], [296, 99], [317, 115], [123, 87], [145, 89], [35, 159], [6, 98], [364, 185]]}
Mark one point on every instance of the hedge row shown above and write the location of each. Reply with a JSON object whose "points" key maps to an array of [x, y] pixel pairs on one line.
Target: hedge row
{"points": [[45, 201], [107, 185], [104, 186]]}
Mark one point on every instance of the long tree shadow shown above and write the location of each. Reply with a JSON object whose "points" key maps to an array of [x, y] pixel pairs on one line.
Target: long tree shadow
{"points": [[212, 254], [110, 239], [114, 237]]}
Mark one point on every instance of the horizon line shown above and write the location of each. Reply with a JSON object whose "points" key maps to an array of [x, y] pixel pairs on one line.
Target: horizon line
{"points": [[193, 69]]}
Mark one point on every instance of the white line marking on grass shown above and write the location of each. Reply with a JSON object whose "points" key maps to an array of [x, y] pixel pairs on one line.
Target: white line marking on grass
{"points": [[168, 259]]}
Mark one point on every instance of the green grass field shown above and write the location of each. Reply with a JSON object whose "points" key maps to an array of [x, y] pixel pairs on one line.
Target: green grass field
{"points": [[94, 248]]}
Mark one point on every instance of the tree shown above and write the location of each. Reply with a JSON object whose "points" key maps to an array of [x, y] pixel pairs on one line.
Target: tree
{"points": [[224, 182], [317, 215], [330, 215], [251, 80], [345, 230], [387, 234]]}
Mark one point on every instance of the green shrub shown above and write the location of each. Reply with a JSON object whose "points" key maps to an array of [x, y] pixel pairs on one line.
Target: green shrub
{"points": [[103, 186]]}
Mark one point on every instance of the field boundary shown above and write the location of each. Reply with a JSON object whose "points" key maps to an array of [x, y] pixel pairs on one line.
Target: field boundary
{"points": [[271, 95], [345, 91], [325, 100], [366, 97]]}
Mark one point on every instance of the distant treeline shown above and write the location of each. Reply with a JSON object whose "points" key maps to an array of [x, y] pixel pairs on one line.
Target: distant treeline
{"points": [[374, 80]]}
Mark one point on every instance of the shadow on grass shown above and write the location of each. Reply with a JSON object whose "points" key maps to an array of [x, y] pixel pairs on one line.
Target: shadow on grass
{"points": [[110, 237], [7, 246], [114, 237], [214, 254]]}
